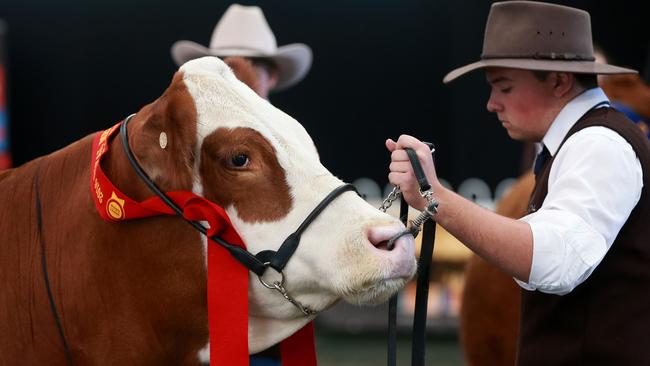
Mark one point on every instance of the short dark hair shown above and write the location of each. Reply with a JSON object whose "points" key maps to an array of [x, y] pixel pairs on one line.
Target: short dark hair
{"points": [[587, 81]]}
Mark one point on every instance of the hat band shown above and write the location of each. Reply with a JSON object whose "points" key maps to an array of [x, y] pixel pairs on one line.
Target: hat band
{"points": [[543, 56]]}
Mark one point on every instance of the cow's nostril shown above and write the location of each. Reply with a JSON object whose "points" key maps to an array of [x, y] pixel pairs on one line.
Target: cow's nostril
{"points": [[380, 236], [399, 260], [383, 245]]}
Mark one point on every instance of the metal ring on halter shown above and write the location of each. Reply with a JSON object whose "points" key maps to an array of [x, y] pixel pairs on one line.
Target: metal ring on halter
{"points": [[275, 283], [279, 286]]}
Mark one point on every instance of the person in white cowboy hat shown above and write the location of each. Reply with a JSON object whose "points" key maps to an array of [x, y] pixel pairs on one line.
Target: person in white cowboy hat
{"points": [[581, 255], [245, 41], [243, 31]]}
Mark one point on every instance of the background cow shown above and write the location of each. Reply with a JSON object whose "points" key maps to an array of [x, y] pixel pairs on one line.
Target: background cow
{"points": [[134, 292]]}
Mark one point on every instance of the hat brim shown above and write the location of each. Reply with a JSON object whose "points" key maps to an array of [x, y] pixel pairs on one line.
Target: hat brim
{"points": [[293, 60], [578, 67]]}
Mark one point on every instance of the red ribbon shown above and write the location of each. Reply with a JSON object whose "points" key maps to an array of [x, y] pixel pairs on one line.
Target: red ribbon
{"points": [[227, 278]]}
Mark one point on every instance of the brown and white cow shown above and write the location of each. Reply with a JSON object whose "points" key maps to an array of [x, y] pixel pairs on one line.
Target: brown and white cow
{"points": [[134, 293]]}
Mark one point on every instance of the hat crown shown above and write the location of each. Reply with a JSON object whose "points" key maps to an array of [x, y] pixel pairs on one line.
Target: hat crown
{"points": [[527, 29], [244, 28]]}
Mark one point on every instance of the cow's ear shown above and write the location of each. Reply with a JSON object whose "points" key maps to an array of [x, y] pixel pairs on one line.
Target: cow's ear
{"points": [[163, 137], [244, 71]]}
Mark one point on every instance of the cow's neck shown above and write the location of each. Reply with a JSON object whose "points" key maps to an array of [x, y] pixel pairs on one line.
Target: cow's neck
{"points": [[117, 168], [163, 248]]}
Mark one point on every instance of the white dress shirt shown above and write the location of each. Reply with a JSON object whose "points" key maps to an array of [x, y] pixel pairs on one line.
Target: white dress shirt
{"points": [[594, 183]]}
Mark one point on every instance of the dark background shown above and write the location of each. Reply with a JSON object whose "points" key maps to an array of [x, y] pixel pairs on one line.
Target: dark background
{"points": [[76, 67]]}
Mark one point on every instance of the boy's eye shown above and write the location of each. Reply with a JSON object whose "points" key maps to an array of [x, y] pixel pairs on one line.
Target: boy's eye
{"points": [[506, 90]]}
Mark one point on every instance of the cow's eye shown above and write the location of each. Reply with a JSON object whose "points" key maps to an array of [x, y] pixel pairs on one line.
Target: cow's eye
{"points": [[240, 160]]}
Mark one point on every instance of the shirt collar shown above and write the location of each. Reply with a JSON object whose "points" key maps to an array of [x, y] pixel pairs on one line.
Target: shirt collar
{"points": [[569, 115]]}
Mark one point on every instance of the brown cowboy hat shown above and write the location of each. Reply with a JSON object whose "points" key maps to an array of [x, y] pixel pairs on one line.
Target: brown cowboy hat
{"points": [[531, 35]]}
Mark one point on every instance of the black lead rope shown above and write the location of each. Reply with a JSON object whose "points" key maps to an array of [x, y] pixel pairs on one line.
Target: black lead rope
{"points": [[392, 303], [418, 350], [46, 278]]}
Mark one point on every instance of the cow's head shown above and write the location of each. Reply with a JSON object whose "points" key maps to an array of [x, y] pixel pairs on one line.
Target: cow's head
{"points": [[231, 146]]}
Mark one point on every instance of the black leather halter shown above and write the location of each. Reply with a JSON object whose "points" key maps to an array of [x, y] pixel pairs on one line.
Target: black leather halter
{"points": [[259, 262]]}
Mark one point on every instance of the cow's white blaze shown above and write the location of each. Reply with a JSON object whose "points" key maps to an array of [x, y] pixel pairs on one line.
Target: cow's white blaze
{"points": [[335, 259]]}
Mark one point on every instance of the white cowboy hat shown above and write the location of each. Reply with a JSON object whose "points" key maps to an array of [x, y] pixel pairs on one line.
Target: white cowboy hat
{"points": [[243, 31]]}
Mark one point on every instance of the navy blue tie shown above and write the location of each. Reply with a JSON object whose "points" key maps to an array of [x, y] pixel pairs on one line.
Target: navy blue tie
{"points": [[541, 159]]}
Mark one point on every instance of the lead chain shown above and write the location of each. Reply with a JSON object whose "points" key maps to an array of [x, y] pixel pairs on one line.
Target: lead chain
{"points": [[415, 224], [428, 212], [305, 310], [392, 196]]}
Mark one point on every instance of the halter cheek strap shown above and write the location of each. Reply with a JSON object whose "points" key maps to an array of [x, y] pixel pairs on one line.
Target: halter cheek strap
{"points": [[255, 263]]}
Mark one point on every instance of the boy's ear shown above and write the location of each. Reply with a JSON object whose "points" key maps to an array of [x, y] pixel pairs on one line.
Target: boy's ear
{"points": [[563, 83]]}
